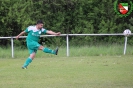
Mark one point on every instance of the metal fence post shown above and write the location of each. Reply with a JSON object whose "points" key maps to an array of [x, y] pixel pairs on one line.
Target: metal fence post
{"points": [[67, 42], [125, 47], [12, 47]]}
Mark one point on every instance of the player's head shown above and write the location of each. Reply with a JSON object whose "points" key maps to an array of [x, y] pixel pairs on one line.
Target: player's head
{"points": [[40, 24]]}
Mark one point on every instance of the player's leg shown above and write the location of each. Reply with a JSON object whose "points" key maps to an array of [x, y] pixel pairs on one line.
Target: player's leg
{"points": [[47, 50], [32, 47], [29, 59], [32, 51]]}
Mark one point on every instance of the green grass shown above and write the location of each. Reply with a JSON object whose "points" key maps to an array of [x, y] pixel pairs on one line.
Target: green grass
{"points": [[87, 67], [68, 72], [98, 50]]}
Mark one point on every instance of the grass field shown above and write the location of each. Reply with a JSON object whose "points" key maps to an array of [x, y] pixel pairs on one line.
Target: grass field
{"points": [[87, 67], [98, 50], [68, 72]]}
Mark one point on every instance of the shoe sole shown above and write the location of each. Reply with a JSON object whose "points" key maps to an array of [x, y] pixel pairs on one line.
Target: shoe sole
{"points": [[56, 51], [24, 67]]}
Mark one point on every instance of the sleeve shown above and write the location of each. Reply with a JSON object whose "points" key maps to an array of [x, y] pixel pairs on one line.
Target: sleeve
{"points": [[44, 31], [28, 29]]}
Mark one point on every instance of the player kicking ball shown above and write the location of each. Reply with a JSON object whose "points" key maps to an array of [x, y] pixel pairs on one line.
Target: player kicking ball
{"points": [[32, 39]]}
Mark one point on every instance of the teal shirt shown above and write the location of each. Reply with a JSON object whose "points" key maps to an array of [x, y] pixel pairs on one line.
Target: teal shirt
{"points": [[34, 33]]}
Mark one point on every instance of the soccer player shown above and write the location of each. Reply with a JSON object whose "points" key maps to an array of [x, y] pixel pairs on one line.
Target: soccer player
{"points": [[32, 39]]}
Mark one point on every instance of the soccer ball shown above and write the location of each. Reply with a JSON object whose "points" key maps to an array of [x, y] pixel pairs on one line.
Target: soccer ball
{"points": [[127, 32]]}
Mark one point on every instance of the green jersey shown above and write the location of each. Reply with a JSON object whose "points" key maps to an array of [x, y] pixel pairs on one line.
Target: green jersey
{"points": [[34, 33]]}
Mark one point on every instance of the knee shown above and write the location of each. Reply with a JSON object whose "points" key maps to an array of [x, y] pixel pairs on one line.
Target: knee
{"points": [[41, 48], [32, 56]]}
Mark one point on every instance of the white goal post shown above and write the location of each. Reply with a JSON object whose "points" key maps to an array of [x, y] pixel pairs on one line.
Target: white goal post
{"points": [[67, 40]]}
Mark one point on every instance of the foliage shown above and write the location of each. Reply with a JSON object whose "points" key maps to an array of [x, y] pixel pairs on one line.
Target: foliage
{"points": [[66, 16]]}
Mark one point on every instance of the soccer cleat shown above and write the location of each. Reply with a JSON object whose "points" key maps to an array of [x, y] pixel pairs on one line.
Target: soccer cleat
{"points": [[56, 51], [24, 67]]}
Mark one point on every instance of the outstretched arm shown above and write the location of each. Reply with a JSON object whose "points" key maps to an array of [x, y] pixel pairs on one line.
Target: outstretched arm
{"points": [[23, 32], [52, 33]]}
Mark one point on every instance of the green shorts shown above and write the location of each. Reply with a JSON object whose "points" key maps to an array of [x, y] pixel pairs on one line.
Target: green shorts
{"points": [[33, 46]]}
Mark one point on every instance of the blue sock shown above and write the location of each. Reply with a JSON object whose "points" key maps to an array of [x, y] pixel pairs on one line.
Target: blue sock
{"points": [[27, 62], [47, 50]]}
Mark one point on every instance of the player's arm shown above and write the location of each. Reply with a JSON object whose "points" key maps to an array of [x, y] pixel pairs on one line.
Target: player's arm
{"points": [[22, 33], [52, 33]]}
